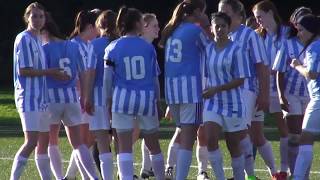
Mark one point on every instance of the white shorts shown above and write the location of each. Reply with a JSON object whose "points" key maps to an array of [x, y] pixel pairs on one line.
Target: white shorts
{"points": [[186, 114], [249, 101], [297, 105], [84, 118], [34, 121], [311, 120], [126, 121], [274, 106], [229, 124], [68, 113], [100, 119]]}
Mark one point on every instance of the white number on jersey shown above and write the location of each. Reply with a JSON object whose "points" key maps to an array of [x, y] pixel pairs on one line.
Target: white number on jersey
{"points": [[64, 64], [176, 44], [131, 67]]}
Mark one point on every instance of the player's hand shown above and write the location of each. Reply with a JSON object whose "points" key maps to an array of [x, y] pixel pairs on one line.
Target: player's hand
{"points": [[284, 104], [58, 74], [294, 63], [89, 106], [82, 104], [209, 92], [262, 103]]}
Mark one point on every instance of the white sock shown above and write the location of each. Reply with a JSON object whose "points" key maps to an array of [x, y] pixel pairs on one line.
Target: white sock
{"points": [[43, 166], [238, 168], [303, 161], [82, 170], [246, 148], [18, 165], [184, 159], [216, 162], [202, 158], [125, 166], [83, 155], [72, 167], [158, 165], [106, 164], [172, 154], [146, 162], [267, 156], [55, 161], [284, 154], [292, 156]]}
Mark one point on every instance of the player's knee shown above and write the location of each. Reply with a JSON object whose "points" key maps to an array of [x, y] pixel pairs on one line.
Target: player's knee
{"points": [[293, 139], [149, 131]]}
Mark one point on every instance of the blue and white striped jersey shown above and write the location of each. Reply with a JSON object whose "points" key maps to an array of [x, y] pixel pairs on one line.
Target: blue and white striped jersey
{"points": [[30, 92], [86, 50], [295, 82], [99, 94], [312, 60], [251, 43], [223, 66], [65, 55], [273, 44], [184, 54], [135, 71]]}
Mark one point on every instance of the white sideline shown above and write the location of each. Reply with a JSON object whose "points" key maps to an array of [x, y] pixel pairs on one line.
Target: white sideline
{"points": [[192, 166]]}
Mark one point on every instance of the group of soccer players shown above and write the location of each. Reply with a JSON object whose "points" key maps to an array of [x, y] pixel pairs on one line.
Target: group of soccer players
{"points": [[220, 76]]}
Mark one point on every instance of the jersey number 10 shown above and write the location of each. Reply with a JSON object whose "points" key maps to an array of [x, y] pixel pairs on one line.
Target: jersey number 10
{"points": [[132, 70]]}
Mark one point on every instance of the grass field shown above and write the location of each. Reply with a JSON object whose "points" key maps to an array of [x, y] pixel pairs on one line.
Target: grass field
{"points": [[11, 138]]}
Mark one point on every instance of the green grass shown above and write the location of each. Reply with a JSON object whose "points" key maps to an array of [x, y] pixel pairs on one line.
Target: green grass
{"points": [[11, 139]]}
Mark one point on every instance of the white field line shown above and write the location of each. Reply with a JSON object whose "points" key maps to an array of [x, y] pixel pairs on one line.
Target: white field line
{"points": [[139, 164]]}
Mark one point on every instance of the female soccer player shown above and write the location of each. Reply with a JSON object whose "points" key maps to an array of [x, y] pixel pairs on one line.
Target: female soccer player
{"points": [[150, 32], [274, 34], [308, 32], [84, 31], [185, 42], [224, 109], [291, 86], [255, 88], [132, 70], [30, 88], [100, 121], [63, 102]]}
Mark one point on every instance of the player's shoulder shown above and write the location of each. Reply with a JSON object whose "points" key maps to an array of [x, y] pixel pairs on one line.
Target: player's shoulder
{"points": [[23, 36]]}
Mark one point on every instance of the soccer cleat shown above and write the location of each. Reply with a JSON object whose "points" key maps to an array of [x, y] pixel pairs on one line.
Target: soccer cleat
{"points": [[282, 175], [145, 174], [67, 178], [203, 176], [169, 173], [251, 178]]}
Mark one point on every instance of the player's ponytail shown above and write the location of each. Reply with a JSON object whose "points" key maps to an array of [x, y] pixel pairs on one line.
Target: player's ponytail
{"points": [[127, 19], [107, 23], [52, 28], [297, 13], [83, 19], [312, 24], [183, 9]]}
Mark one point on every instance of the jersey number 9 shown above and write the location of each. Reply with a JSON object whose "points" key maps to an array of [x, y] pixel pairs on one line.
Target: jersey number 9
{"points": [[132, 70]]}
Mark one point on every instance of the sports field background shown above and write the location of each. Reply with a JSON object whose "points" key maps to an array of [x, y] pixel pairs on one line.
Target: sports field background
{"points": [[11, 137]]}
